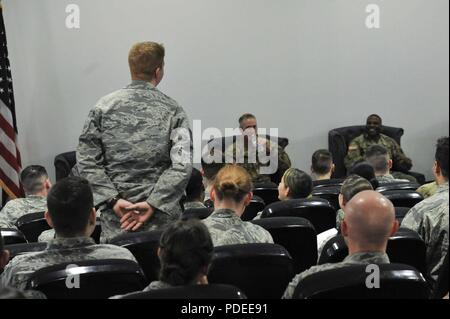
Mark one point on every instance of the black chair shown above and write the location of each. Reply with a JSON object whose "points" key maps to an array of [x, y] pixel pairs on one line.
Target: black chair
{"points": [[210, 291], [259, 270], [340, 138], [32, 225], [12, 236], [256, 205], [268, 194], [441, 288], [397, 186], [403, 198], [18, 249], [63, 164], [328, 182], [97, 279], [396, 281], [198, 213], [295, 234], [317, 210], [144, 247], [400, 213], [330, 193], [405, 247]]}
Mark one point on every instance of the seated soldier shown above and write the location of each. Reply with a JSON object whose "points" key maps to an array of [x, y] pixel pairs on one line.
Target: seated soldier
{"points": [[231, 193], [378, 157], [322, 166], [372, 135], [36, 185], [295, 184], [71, 213], [195, 191], [429, 218], [248, 154], [428, 190], [365, 170], [185, 253], [368, 223]]}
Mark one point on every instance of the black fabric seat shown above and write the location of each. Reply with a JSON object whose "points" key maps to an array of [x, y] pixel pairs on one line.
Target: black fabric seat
{"points": [[259, 270], [317, 210], [12, 236], [144, 247], [18, 249], [403, 198], [210, 291], [98, 279], [405, 247], [256, 205], [328, 182], [268, 194], [63, 164], [295, 234], [400, 213], [198, 213], [397, 281], [330, 193], [32, 225], [397, 186]]}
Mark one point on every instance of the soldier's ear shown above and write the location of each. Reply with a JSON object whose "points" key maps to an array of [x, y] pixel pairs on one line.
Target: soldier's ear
{"points": [[344, 228], [341, 201], [48, 219], [394, 228], [390, 163], [212, 194], [333, 167], [4, 258]]}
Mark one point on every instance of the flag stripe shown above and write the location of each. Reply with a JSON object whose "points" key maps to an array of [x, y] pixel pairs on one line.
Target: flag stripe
{"points": [[8, 157], [9, 171], [8, 186]]}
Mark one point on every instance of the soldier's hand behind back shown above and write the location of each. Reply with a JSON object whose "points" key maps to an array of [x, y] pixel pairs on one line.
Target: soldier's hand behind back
{"points": [[136, 216]]}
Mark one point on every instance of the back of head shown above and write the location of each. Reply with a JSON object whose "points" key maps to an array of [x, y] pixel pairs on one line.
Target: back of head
{"points": [[300, 184], [441, 156], [365, 170], [33, 178], [232, 183], [353, 185], [378, 156], [195, 188], [70, 202], [144, 58], [369, 221], [322, 162], [186, 250]]}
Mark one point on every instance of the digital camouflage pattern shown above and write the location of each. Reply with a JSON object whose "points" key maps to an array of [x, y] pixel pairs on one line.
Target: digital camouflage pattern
{"points": [[16, 208], [428, 190]]}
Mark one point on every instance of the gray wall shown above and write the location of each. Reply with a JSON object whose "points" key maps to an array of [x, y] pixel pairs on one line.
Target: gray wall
{"points": [[304, 66]]}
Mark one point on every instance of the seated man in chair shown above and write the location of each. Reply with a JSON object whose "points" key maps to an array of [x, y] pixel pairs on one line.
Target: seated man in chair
{"points": [[372, 136], [378, 157]]}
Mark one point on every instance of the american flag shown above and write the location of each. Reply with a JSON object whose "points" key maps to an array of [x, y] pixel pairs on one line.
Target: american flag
{"points": [[10, 164]]}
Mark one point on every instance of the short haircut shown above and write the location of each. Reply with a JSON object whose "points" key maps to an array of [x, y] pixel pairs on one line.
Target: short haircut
{"points": [[70, 202], [322, 162], [144, 58], [375, 115], [232, 182], [378, 156], [366, 171], [353, 185], [185, 248], [195, 186], [300, 184], [210, 170], [441, 155], [32, 178], [246, 116]]}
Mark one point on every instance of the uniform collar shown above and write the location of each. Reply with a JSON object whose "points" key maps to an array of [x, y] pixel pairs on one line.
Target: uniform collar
{"points": [[369, 257], [140, 85], [225, 213], [64, 243], [442, 188]]}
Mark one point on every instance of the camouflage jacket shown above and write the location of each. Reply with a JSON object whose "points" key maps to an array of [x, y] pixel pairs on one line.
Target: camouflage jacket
{"points": [[191, 205], [429, 219], [360, 144], [125, 149], [388, 178], [227, 228], [16, 208], [355, 259], [62, 250], [428, 190]]}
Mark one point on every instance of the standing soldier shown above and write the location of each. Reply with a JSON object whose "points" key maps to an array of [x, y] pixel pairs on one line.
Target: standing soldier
{"points": [[126, 146]]}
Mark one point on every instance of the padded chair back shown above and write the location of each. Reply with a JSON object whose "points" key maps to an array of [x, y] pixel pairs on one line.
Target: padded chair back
{"points": [[337, 182], [256, 205], [32, 225], [18, 249], [12, 236], [144, 247], [268, 194], [397, 281], [64, 163], [316, 210], [210, 291], [98, 279], [330, 193], [259, 270], [340, 138], [405, 247], [397, 186], [295, 234], [198, 213], [403, 198], [400, 213]]}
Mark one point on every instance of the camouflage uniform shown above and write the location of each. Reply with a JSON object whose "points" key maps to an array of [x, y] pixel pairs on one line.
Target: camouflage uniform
{"points": [[429, 218], [47, 235], [20, 268], [428, 190], [236, 153], [355, 259], [388, 178], [227, 228], [193, 205], [125, 149], [16, 208], [360, 144]]}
